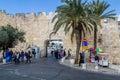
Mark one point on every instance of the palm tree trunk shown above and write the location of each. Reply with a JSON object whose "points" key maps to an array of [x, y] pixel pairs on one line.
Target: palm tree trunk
{"points": [[78, 43], [95, 37]]}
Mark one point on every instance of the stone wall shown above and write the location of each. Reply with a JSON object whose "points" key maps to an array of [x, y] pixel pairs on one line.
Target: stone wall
{"points": [[111, 39], [39, 27]]}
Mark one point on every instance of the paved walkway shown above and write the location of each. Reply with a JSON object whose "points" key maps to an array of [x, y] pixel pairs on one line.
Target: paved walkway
{"points": [[113, 69], [49, 69], [91, 67], [5, 63]]}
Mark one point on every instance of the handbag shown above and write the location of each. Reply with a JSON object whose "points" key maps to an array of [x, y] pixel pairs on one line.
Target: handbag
{"points": [[30, 55]]}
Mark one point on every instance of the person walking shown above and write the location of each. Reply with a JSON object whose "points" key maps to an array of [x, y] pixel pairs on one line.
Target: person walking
{"points": [[56, 54], [96, 59], [64, 53], [81, 58], [52, 53], [7, 53], [14, 57], [11, 55], [34, 52], [18, 57], [22, 56], [27, 54]]}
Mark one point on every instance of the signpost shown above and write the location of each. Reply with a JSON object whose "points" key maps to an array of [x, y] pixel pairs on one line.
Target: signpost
{"points": [[84, 49]]}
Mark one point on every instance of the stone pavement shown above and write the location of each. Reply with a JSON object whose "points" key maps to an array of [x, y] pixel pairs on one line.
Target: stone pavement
{"points": [[112, 69], [5, 63], [115, 67], [49, 69], [91, 68]]}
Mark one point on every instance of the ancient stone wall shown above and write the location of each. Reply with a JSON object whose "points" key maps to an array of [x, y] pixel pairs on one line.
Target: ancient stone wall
{"points": [[39, 27], [110, 39]]}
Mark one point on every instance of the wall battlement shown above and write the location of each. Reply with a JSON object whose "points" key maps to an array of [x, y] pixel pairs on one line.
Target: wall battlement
{"points": [[29, 14], [20, 15], [2, 11]]}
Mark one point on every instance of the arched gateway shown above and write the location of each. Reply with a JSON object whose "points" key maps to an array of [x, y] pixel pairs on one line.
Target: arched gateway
{"points": [[51, 45]]}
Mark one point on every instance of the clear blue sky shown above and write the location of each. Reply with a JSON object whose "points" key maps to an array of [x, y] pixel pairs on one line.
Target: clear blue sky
{"points": [[25, 6]]}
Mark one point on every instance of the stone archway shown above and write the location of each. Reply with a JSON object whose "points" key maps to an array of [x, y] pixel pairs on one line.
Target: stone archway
{"points": [[52, 45], [52, 40]]}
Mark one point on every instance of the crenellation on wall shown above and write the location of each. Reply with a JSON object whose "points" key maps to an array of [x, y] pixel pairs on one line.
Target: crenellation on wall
{"points": [[22, 15], [51, 15], [30, 14], [3, 11], [10, 15], [42, 14]]}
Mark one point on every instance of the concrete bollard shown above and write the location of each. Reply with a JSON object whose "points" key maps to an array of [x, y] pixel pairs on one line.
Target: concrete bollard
{"points": [[72, 61], [83, 66], [96, 67], [4, 61], [63, 59]]}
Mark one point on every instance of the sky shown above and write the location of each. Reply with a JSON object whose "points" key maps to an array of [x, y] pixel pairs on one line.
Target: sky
{"points": [[26, 6]]}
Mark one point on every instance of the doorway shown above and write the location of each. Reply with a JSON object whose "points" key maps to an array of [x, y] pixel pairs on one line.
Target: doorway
{"points": [[52, 45]]}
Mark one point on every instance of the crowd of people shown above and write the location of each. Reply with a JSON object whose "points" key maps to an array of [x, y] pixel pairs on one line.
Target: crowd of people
{"points": [[59, 54], [18, 56], [25, 56], [92, 53]]}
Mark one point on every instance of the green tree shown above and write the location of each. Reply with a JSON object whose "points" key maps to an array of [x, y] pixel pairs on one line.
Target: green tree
{"points": [[9, 37], [99, 11], [3, 38], [74, 17]]}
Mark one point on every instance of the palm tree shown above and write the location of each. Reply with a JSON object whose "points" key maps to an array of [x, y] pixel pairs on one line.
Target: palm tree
{"points": [[98, 9], [74, 17]]}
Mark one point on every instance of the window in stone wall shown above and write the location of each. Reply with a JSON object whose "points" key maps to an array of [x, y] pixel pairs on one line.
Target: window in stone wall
{"points": [[105, 20], [118, 23], [118, 27]]}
